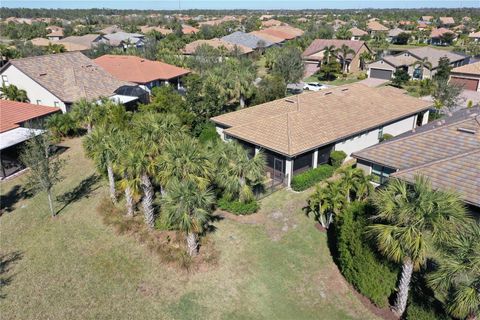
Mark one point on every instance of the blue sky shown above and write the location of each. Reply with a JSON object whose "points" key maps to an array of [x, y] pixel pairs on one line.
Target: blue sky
{"points": [[236, 4]]}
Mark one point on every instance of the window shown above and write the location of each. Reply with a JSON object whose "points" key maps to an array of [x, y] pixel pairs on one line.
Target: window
{"points": [[56, 103], [380, 174], [39, 101], [5, 79], [380, 133]]}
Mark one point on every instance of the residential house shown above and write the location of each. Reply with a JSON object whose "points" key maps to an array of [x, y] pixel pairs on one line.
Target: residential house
{"points": [[271, 23], [278, 34], [407, 60], [82, 43], [437, 36], [467, 76], [277, 39], [56, 33], [299, 132], [394, 33], [162, 31], [446, 151], [191, 48], [186, 29], [446, 21], [422, 26], [375, 27], [337, 24], [357, 33], [58, 80], [111, 29], [426, 18], [474, 36], [18, 122], [125, 39], [146, 73], [314, 54], [247, 40]]}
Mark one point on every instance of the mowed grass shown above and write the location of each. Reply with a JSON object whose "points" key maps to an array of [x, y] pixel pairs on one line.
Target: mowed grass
{"points": [[75, 267]]}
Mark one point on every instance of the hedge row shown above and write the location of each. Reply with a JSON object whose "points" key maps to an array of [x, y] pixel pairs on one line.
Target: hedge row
{"points": [[237, 207], [370, 274], [311, 177]]}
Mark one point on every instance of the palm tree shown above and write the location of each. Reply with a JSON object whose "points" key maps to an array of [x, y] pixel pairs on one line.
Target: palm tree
{"points": [[408, 215], [85, 113], [130, 170], [343, 53], [343, 33], [334, 200], [13, 93], [238, 173], [317, 204], [365, 58], [187, 206], [184, 159], [354, 180], [458, 274], [422, 64], [328, 52]]}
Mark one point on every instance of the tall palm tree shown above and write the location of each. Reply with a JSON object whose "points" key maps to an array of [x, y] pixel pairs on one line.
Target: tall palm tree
{"points": [[328, 52], [408, 215], [238, 173], [343, 53], [188, 207], [424, 64], [12, 92], [458, 274]]}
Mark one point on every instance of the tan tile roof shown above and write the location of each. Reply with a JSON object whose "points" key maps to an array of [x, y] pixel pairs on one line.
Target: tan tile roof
{"points": [[437, 33], [472, 68], [191, 47], [319, 45], [271, 23], [376, 26], [289, 30], [300, 123], [40, 42], [460, 174], [55, 31], [79, 43], [356, 32], [147, 29], [269, 36], [447, 20], [69, 76]]}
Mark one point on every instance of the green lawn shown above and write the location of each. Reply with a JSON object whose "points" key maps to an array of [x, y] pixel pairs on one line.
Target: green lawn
{"points": [[75, 267]]}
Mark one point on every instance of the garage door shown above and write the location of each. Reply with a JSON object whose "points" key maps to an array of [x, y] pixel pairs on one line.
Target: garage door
{"points": [[468, 84], [381, 74]]}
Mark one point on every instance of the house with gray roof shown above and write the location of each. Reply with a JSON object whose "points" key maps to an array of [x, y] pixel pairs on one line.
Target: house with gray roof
{"points": [[247, 40], [125, 39], [407, 60], [59, 80], [447, 151]]}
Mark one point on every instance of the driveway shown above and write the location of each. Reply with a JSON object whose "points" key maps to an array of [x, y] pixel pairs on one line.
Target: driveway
{"points": [[468, 95], [373, 82]]}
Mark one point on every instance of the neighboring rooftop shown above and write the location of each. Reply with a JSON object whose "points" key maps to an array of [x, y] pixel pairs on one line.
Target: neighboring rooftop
{"points": [[290, 126], [438, 33], [69, 76], [319, 45], [79, 43], [55, 31], [111, 29], [117, 38], [247, 40], [447, 151], [191, 47], [138, 70], [376, 26], [395, 32], [434, 55], [271, 23], [446, 20], [269, 36], [14, 114], [356, 32], [472, 68]]}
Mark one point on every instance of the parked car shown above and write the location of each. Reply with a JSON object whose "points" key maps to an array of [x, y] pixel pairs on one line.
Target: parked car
{"points": [[314, 86]]}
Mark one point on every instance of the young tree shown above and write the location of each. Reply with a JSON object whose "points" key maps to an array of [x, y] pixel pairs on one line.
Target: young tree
{"points": [[270, 88], [447, 38], [329, 70], [13, 93], [289, 65], [45, 168], [457, 277], [408, 215], [402, 38], [400, 77], [188, 207], [446, 96], [443, 70]]}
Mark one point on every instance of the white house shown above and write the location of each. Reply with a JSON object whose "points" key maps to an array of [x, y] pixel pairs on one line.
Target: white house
{"points": [[299, 132]]}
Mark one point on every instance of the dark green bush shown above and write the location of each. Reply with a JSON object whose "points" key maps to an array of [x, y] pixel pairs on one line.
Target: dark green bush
{"points": [[208, 133], [337, 157], [370, 274], [311, 177], [237, 207], [418, 312]]}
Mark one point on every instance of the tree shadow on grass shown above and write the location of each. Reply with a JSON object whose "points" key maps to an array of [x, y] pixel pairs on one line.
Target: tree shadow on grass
{"points": [[5, 266], [16, 194], [83, 190]]}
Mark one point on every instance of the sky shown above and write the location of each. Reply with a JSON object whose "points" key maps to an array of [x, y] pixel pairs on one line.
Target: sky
{"points": [[236, 4]]}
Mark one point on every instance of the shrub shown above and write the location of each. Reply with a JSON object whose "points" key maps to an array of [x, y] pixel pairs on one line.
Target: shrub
{"points": [[362, 76], [386, 136], [208, 133], [237, 207], [418, 312], [337, 158], [311, 177], [371, 275]]}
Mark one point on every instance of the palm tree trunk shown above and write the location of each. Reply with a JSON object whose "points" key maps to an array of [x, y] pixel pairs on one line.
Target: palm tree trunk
{"points": [[192, 244], [242, 101], [322, 221], [129, 199], [147, 201], [50, 203], [403, 287], [111, 181]]}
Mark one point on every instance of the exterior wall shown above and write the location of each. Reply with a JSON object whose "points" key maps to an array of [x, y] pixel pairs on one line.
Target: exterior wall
{"points": [[355, 64], [34, 91], [358, 142], [220, 131], [380, 65], [401, 126]]}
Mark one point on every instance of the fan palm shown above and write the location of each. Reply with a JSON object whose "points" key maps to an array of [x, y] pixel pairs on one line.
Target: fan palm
{"points": [[334, 200], [328, 52], [13, 93], [85, 113], [423, 64], [354, 180], [187, 206], [408, 215], [317, 204], [343, 33], [238, 173], [343, 53], [458, 274]]}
